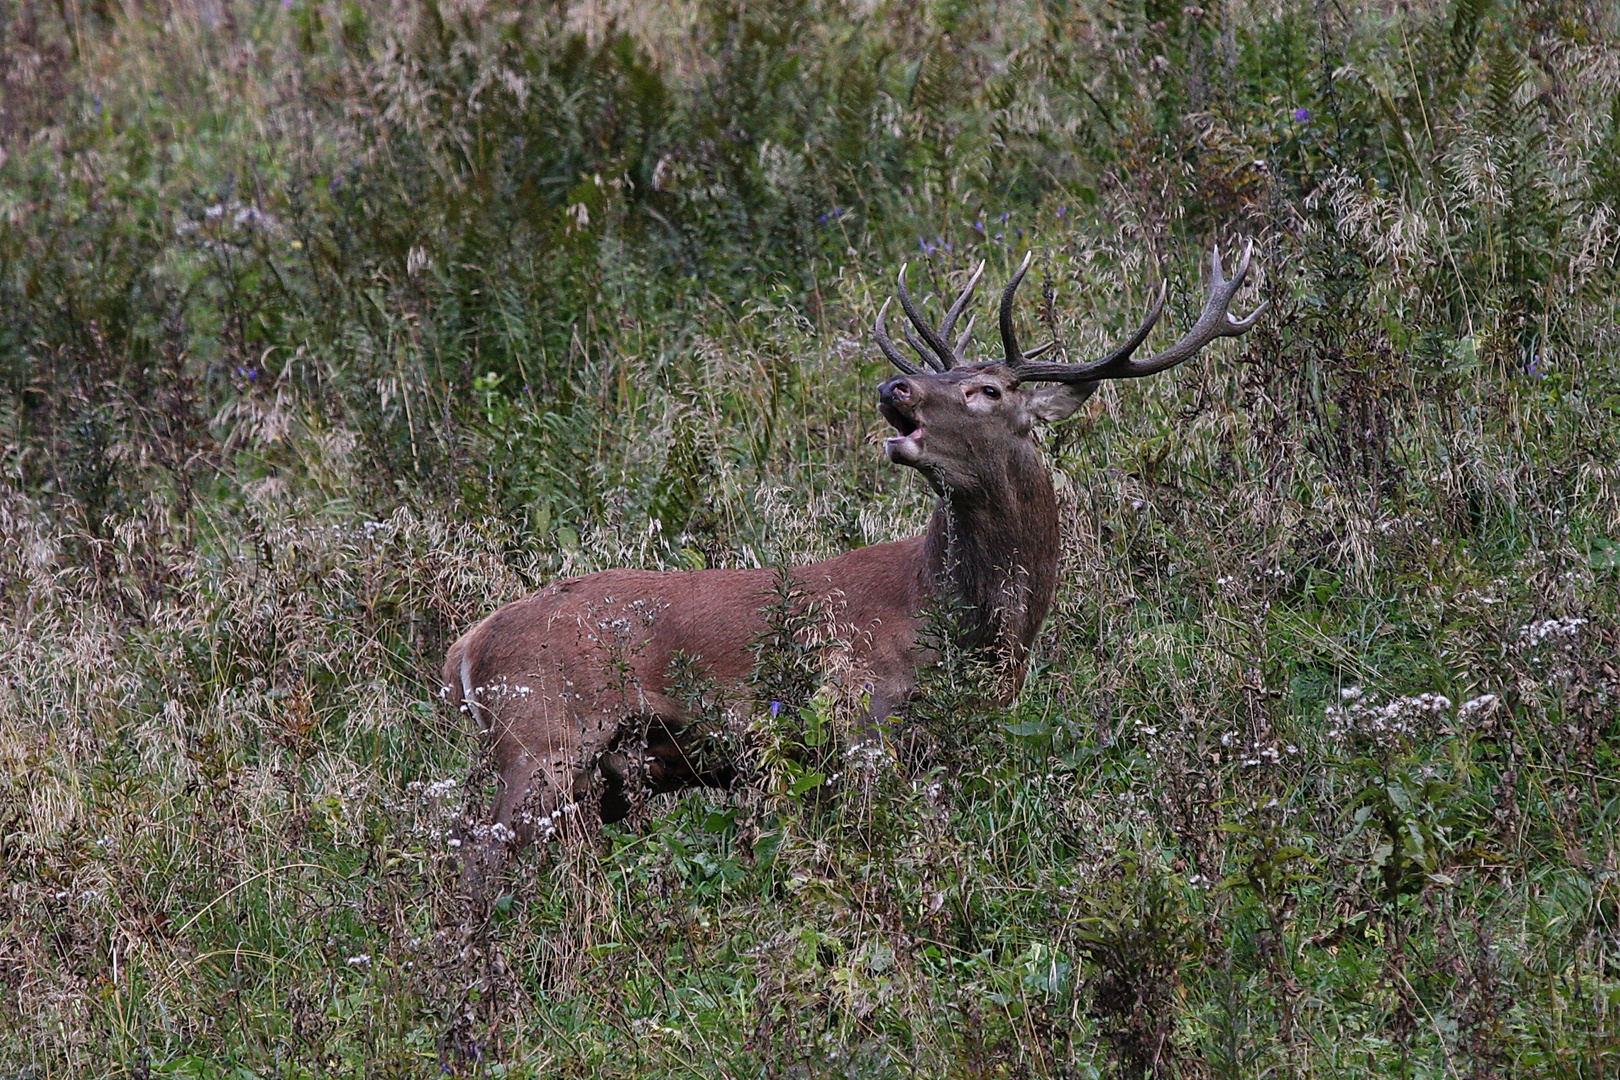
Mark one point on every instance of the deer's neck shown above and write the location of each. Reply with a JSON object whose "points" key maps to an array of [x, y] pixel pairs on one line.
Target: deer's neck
{"points": [[994, 554]]}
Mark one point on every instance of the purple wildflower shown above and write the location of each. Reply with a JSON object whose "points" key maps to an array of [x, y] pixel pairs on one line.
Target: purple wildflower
{"points": [[1302, 114], [776, 709]]}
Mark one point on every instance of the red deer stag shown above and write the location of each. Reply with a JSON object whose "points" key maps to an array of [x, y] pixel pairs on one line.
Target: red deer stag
{"points": [[571, 684]]}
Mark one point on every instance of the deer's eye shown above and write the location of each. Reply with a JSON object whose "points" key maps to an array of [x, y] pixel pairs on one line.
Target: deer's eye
{"points": [[991, 392]]}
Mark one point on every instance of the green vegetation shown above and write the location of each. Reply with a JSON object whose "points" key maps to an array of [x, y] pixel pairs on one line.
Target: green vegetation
{"points": [[331, 324]]}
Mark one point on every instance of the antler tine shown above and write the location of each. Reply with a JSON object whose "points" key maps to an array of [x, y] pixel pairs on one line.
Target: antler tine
{"points": [[1011, 355], [1234, 325], [964, 337], [935, 342], [956, 310], [932, 348], [886, 343], [1214, 321], [928, 358], [1129, 346]]}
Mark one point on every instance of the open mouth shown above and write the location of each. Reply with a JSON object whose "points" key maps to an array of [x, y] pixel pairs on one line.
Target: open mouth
{"points": [[898, 420], [905, 447]]}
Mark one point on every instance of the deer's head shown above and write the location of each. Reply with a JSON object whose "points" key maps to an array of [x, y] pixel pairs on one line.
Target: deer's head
{"points": [[966, 426]]}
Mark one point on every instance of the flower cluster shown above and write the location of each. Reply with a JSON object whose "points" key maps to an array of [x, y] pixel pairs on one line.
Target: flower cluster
{"points": [[1561, 632], [1358, 718], [1476, 708], [229, 217], [1264, 750], [438, 789]]}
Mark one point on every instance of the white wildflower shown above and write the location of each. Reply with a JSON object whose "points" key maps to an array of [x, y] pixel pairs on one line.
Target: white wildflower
{"points": [[1384, 726], [1559, 631]]}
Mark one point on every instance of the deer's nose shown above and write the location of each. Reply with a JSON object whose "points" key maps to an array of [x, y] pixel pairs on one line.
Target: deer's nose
{"points": [[894, 392]]}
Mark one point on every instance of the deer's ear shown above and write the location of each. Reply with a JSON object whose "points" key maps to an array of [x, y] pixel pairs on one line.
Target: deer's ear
{"points": [[1049, 404]]}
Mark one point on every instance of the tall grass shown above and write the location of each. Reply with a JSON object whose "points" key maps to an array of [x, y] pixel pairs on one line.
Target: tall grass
{"points": [[331, 326]]}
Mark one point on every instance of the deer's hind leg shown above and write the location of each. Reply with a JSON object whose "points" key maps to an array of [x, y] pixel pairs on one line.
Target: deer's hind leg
{"points": [[526, 807], [535, 794], [554, 788]]}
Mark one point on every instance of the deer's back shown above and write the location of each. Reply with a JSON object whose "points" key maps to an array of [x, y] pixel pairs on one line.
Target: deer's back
{"points": [[605, 642]]}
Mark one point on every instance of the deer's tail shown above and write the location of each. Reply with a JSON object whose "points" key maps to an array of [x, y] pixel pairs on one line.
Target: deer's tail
{"points": [[458, 689]]}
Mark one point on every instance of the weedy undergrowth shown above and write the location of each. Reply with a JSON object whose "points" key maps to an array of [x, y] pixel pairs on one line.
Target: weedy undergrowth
{"points": [[330, 327]]}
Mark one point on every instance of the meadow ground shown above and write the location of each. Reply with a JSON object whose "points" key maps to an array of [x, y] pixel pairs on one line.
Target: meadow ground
{"points": [[329, 325]]}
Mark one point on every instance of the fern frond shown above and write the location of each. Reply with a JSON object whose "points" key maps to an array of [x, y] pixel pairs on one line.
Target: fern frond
{"points": [[933, 88], [1505, 75], [1468, 17]]}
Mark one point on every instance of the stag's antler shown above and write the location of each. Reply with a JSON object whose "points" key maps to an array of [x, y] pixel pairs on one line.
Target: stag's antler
{"points": [[935, 353], [1013, 357], [937, 356], [1215, 321]]}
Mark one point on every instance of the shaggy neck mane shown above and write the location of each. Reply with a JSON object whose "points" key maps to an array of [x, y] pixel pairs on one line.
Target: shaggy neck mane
{"points": [[994, 552]]}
